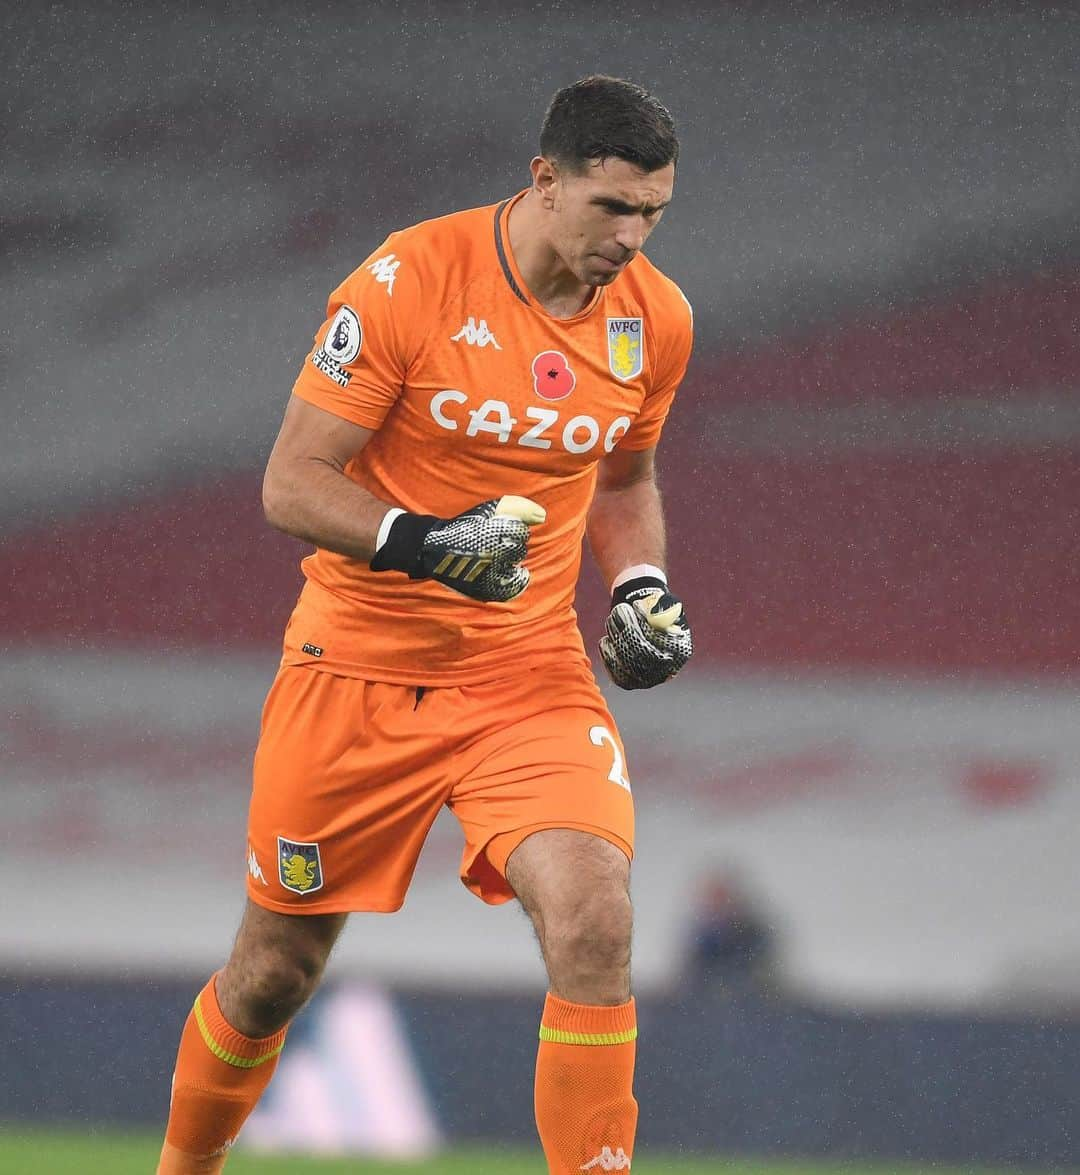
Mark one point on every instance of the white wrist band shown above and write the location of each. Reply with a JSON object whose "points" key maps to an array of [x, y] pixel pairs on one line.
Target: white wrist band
{"points": [[384, 526], [638, 571]]}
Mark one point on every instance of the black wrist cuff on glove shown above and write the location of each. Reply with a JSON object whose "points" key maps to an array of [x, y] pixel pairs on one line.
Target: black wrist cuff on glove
{"points": [[404, 546], [634, 589]]}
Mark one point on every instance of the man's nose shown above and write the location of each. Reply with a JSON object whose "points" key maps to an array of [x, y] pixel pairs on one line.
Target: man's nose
{"points": [[631, 234]]}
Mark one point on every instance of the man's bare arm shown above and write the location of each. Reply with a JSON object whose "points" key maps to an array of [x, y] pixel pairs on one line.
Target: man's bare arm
{"points": [[646, 637], [626, 521], [305, 490], [306, 494]]}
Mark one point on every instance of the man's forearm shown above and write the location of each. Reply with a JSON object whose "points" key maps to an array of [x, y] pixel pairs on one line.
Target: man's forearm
{"points": [[314, 501], [626, 528]]}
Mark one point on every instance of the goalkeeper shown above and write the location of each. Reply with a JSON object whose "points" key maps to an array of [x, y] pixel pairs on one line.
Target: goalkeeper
{"points": [[485, 394]]}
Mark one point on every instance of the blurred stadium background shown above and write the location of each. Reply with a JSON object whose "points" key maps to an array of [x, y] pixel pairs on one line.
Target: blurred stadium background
{"points": [[873, 478]]}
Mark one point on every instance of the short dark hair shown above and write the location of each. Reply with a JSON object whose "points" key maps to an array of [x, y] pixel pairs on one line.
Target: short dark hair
{"points": [[599, 117]]}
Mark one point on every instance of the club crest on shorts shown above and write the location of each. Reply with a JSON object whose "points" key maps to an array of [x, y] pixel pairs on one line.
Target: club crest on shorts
{"points": [[625, 353], [345, 336], [299, 865]]}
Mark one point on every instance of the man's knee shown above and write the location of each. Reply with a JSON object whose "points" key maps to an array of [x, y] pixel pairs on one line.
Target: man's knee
{"points": [[274, 986], [594, 924], [575, 888], [275, 967]]}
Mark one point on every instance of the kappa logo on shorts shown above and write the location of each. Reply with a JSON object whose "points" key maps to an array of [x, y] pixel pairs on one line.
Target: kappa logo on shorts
{"points": [[254, 868], [299, 865]]}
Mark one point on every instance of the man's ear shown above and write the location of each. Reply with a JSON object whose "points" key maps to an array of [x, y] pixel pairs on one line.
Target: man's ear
{"points": [[545, 177]]}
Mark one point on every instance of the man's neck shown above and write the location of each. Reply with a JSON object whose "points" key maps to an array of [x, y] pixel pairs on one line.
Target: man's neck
{"points": [[548, 280]]}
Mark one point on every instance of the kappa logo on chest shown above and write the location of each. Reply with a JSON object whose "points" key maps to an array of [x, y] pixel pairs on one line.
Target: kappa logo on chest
{"points": [[475, 334]]}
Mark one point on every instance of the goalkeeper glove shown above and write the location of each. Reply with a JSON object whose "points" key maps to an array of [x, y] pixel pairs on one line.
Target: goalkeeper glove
{"points": [[647, 638], [478, 553]]}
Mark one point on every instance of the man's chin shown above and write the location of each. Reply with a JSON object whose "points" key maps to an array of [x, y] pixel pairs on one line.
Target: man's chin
{"points": [[603, 277]]}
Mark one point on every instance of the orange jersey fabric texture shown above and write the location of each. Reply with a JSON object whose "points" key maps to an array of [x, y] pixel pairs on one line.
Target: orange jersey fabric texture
{"points": [[475, 391]]}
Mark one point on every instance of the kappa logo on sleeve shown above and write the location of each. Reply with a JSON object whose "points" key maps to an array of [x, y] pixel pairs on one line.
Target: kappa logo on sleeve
{"points": [[299, 865], [384, 270]]}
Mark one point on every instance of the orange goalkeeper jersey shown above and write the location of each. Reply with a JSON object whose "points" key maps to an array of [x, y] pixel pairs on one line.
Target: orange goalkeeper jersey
{"points": [[475, 391]]}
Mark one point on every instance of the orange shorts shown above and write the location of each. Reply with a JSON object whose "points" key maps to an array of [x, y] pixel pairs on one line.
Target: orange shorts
{"points": [[350, 775]]}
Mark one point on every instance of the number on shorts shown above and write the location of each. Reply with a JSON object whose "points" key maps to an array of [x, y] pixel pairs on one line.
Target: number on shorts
{"points": [[598, 736]]}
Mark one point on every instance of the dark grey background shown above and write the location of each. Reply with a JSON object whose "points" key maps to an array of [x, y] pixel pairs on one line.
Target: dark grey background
{"points": [[182, 185]]}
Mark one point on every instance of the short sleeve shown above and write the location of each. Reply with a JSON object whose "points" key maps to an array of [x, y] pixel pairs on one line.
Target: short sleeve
{"points": [[674, 344], [363, 350]]}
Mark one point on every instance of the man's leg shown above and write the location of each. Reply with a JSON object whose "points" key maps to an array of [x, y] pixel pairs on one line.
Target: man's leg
{"points": [[232, 1038], [575, 888]]}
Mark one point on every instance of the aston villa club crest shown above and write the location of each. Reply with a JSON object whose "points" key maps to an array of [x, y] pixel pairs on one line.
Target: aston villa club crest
{"points": [[299, 865], [625, 349]]}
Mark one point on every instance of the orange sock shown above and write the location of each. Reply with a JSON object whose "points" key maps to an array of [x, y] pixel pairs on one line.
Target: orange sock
{"points": [[220, 1075], [585, 1108]]}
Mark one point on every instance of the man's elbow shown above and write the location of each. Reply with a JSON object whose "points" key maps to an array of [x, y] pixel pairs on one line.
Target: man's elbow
{"points": [[276, 499]]}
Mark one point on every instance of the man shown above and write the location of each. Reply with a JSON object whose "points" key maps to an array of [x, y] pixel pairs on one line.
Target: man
{"points": [[487, 386]]}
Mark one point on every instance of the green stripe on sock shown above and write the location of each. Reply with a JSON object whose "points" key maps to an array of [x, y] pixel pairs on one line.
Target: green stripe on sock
{"points": [[558, 1036], [224, 1054]]}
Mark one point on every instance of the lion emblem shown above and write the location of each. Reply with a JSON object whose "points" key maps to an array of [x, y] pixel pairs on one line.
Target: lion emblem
{"points": [[624, 355], [298, 872]]}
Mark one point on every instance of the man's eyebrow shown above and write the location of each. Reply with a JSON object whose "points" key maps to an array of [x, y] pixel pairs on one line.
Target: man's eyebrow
{"points": [[625, 209]]}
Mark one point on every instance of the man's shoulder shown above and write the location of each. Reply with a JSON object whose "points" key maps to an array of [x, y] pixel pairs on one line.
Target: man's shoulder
{"points": [[448, 241], [464, 224], [432, 254]]}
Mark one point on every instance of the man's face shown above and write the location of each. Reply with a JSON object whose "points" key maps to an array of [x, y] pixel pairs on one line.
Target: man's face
{"points": [[602, 216]]}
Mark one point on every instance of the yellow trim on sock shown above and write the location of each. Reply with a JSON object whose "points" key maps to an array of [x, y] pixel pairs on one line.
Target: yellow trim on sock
{"points": [[558, 1036], [224, 1054]]}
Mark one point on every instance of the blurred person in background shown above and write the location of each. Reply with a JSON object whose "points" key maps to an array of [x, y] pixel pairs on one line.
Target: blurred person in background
{"points": [[729, 941], [487, 386]]}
